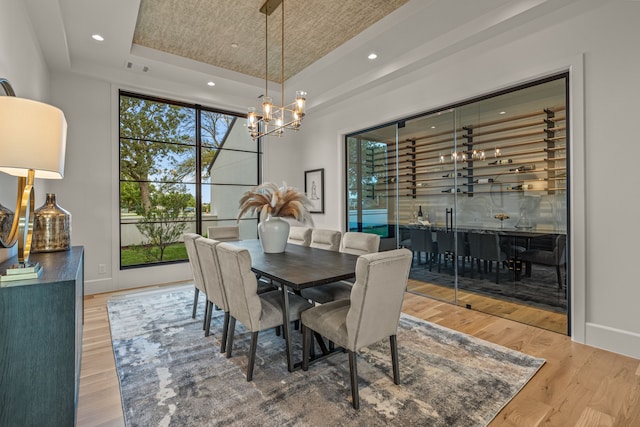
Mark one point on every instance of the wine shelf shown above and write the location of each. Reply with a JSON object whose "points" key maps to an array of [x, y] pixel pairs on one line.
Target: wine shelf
{"points": [[536, 139]]}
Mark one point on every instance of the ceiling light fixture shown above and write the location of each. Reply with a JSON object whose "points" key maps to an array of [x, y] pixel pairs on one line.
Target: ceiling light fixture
{"points": [[211, 84], [97, 37], [275, 119], [372, 56]]}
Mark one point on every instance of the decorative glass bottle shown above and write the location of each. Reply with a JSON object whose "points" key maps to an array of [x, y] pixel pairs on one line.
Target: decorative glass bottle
{"points": [[51, 227]]}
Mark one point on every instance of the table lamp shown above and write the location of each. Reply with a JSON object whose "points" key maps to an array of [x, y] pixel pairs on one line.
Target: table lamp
{"points": [[32, 145]]}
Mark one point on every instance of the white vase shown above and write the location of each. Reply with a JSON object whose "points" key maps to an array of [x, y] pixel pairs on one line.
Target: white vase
{"points": [[273, 234]]}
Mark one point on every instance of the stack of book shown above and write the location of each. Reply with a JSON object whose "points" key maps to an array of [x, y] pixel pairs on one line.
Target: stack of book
{"points": [[18, 272]]}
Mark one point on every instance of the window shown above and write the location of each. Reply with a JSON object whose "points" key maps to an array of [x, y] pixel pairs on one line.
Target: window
{"points": [[183, 168]]}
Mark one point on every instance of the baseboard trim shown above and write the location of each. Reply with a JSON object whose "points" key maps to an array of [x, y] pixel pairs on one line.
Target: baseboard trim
{"points": [[612, 339], [98, 286]]}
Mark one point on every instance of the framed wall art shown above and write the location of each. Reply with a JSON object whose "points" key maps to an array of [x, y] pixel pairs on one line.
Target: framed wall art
{"points": [[314, 189]]}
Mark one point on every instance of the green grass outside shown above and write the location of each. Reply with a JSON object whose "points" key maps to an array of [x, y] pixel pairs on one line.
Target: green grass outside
{"points": [[135, 255]]}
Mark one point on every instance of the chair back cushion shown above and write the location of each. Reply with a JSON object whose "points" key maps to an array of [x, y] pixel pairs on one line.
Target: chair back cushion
{"points": [[359, 243], [420, 240], [211, 272], [224, 233], [299, 235], [194, 260], [485, 246], [240, 285], [326, 239], [376, 297]]}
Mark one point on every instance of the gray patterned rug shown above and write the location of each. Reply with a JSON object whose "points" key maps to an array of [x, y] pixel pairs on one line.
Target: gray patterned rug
{"points": [[171, 375]]}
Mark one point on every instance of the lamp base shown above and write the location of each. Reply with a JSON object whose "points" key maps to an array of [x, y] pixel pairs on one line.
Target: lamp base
{"points": [[22, 272]]}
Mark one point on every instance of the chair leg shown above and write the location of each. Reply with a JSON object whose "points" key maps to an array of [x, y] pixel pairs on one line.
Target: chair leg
{"points": [[252, 355], [393, 341], [232, 327], [559, 276], [225, 331], [306, 341], [353, 369], [195, 303], [208, 312]]}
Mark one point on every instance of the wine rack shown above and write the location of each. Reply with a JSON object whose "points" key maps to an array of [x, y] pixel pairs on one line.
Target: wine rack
{"points": [[522, 153]]}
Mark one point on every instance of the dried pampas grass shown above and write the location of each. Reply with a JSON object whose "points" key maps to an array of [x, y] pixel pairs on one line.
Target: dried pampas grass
{"points": [[269, 199]]}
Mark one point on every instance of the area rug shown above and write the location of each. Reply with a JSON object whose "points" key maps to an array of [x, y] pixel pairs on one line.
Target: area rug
{"points": [[171, 375]]}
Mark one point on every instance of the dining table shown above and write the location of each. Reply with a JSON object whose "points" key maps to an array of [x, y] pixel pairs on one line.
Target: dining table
{"points": [[297, 268]]}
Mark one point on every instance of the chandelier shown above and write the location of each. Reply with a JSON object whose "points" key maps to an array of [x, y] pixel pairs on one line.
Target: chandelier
{"points": [[275, 119]]}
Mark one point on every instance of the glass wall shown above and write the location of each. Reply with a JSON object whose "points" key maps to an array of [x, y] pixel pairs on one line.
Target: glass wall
{"points": [[183, 168], [480, 195]]}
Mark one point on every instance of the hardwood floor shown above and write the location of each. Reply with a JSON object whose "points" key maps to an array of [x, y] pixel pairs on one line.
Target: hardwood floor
{"points": [[552, 321], [578, 385]]}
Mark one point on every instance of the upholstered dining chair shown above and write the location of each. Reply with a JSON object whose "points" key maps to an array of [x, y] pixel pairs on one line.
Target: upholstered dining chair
{"points": [[486, 247], [256, 312], [299, 235], [370, 314], [356, 244], [325, 239], [194, 262], [555, 257], [216, 295], [451, 244], [422, 241], [224, 233]]}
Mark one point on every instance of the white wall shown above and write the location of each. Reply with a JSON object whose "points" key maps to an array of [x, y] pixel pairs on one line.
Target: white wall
{"points": [[22, 63], [599, 48]]}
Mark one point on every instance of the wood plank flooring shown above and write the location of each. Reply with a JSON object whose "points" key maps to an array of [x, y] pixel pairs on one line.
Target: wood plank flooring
{"points": [[553, 321], [578, 385]]}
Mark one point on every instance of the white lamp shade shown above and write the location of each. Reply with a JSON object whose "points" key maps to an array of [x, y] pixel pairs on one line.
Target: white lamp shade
{"points": [[33, 135]]}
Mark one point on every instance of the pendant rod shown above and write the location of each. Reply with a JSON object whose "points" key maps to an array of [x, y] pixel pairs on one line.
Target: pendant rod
{"points": [[282, 65]]}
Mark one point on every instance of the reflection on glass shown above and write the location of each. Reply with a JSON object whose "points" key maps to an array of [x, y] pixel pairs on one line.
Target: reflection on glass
{"points": [[493, 166]]}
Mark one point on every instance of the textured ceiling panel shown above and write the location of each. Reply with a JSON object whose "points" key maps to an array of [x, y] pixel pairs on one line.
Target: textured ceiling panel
{"points": [[204, 30]]}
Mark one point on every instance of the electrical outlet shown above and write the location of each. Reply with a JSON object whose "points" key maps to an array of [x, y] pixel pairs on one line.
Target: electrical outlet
{"points": [[102, 268]]}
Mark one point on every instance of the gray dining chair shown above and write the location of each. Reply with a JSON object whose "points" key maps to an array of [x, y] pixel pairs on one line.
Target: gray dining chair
{"points": [[486, 247], [224, 233], [356, 244], [256, 312], [299, 235], [370, 314], [198, 280], [422, 241], [555, 257], [326, 239], [451, 245], [216, 295]]}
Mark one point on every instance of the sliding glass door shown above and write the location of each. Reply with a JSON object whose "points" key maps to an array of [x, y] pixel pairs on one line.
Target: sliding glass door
{"points": [[478, 192]]}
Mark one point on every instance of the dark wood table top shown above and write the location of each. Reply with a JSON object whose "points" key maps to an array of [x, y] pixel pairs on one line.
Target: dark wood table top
{"points": [[298, 266]]}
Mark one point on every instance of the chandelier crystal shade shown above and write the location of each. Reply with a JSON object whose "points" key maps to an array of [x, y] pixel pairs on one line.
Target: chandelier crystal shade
{"points": [[275, 119]]}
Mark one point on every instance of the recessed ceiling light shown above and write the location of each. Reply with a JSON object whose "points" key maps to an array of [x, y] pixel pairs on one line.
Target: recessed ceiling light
{"points": [[433, 127], [503, 112], [234, 45], [97, 37], [211, 84], [372, 56]]}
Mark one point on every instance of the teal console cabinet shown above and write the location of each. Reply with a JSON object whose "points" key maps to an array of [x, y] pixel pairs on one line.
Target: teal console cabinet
{"points": [[41, 342]]}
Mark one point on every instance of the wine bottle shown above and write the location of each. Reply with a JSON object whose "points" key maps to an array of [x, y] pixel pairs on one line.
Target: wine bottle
{"points": [[451, 190], [515, 187], [501, 162], [523, 168], [451, 175], [483, 181], [420, 216]]}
